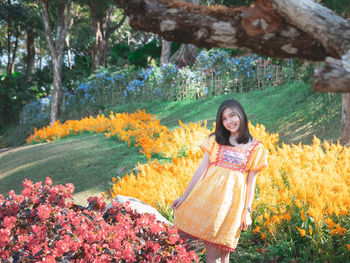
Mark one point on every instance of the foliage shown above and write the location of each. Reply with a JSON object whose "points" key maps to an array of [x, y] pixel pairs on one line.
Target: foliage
{"points": [[215, 72], [139, 56], [106, 87], [14, 93], [16, 135], [42, 223]]}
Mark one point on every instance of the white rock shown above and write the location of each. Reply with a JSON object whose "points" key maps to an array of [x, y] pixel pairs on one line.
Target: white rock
{"points": [[140, 207]]}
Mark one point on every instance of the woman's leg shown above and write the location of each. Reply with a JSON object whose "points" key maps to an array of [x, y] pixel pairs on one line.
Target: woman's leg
{"points": [[212, 252], [224, 256], [216, 255]]}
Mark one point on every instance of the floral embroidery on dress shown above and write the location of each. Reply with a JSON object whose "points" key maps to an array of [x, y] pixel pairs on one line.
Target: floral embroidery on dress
{"points": [[234, 158]]}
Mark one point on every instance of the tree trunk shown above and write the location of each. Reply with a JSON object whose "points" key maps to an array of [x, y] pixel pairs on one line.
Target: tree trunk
{"points": [[14, 53], [97, 26], [185, 56], [68, 46], [56, 49], [345, 119], [166, 48], [30, 54], [102, 30], [187, 53], [9, 28], [57, 86]]}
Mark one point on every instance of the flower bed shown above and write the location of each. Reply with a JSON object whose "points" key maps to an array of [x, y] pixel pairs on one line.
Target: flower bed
{"points": [[43, 224]]}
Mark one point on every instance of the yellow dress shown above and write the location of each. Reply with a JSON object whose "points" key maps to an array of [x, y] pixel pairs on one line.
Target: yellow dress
{"points": [[212, 211]]}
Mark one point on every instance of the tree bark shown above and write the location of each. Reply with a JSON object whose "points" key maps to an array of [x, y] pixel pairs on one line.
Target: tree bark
{"points": [[56, 49], [345, 119], [30, 54], [165, 55], [102, 29], [185, 56], [9, 34], [68, 45], [257, 29], [275, 28], [187, 53], [14, 52]]}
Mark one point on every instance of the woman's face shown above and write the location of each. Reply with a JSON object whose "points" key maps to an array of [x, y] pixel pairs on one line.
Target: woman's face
{"points": [[231, 121]]}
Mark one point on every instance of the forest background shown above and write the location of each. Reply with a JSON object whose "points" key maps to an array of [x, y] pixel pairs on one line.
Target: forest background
{"points": [[95, 37]]}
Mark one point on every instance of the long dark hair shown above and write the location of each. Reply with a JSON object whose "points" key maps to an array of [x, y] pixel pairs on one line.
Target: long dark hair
{"points": [[222, 136]]}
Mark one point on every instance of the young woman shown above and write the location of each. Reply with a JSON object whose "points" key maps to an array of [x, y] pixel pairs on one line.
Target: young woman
{"points": [[216, 205]]}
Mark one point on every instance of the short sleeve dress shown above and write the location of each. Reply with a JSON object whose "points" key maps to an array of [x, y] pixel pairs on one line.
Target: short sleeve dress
{"points": [[212, 211]]}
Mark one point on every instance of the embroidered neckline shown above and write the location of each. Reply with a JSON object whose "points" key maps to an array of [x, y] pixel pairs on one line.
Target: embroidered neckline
{"points": [[219, 160]]}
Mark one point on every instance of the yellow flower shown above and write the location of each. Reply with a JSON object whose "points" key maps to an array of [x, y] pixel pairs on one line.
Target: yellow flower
{"points": [[338, 230], [287, 216], [257, 230], [330, 223], [302, 231]]}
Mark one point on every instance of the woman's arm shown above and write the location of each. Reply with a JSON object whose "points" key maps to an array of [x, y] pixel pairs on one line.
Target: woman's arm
{"points": [[197, 174], [249, 196]]}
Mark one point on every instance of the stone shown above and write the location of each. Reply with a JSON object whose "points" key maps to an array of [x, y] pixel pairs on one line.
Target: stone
{"points": [[140, 207]]}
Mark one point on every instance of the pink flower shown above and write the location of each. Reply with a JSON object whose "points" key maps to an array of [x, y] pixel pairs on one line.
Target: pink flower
{"points": [[173, 239], [9, 222], [48, 181], [70, 187], [27, 183], [5, 237], [49, 259], [43, 212], [127, 251]]}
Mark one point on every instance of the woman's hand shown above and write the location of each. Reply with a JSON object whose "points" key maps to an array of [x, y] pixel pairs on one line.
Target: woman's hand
{"points": [[177, 202], [246, 220]]}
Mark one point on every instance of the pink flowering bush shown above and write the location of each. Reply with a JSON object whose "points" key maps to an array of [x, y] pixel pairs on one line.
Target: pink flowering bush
{"points": [[44, 225]]}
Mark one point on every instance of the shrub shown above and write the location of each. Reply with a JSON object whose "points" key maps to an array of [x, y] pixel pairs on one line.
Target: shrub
{"points": [[43, 224]]}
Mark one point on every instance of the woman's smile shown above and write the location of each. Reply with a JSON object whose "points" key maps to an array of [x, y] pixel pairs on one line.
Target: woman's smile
{"points": [[231, 120]]}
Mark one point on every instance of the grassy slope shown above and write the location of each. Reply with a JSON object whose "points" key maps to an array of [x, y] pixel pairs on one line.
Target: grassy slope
{"points": [[87, 161], [90, 161], [294, 111]]}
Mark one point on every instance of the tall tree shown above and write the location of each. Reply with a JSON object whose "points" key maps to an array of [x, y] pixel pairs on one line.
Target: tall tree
{"points": [[276, 28], [33, 28], [166, 49], [103, 23], [56, 46], [16, 16], [187, 53]]}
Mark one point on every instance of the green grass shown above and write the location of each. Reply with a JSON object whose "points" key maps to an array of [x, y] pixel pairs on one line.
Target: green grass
{"points": [[294, 111], [90, 161], [87, 161]]}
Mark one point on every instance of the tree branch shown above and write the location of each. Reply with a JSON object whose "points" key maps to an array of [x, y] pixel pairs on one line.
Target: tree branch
{"points": [[334, 77], [111, 29], [64, 25], [321, 23], [257, 28], [48, 31]]}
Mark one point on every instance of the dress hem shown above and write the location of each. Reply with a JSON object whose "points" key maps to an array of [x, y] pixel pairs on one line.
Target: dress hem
{"points": [[222, 247]]}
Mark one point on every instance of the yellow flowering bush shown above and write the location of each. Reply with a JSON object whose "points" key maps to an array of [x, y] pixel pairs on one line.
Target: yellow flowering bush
{"points": [[304, 192], [59, 130]]}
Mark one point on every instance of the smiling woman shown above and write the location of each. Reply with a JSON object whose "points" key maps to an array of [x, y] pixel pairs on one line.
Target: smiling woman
{"points": [[216, 205]]}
